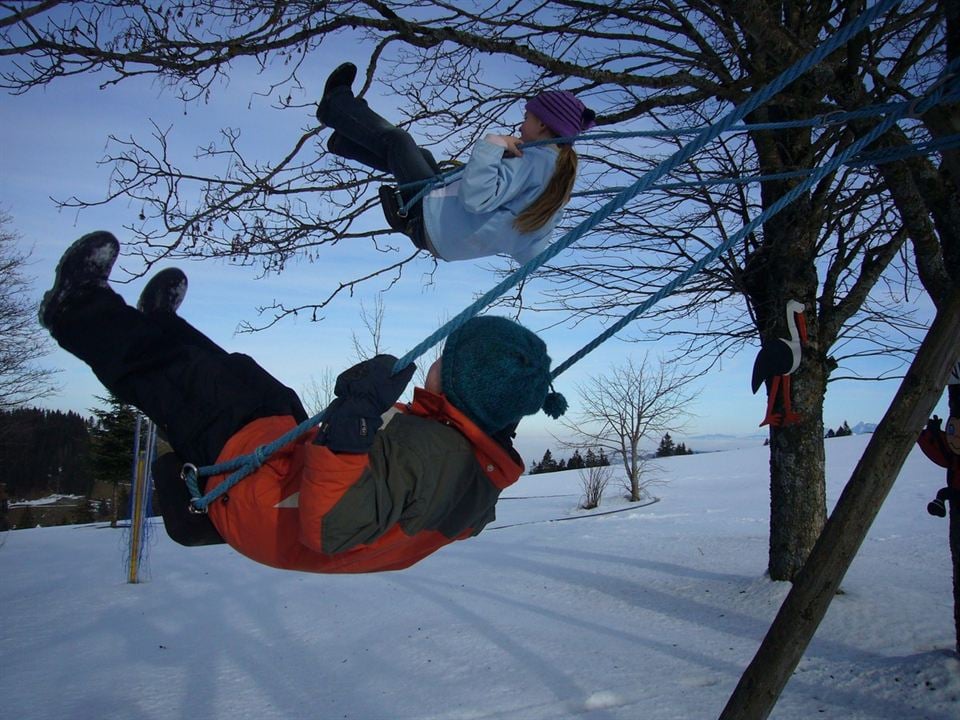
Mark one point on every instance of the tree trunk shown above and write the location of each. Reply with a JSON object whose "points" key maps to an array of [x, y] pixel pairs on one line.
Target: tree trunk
{"points": [[781, 269], [953, 394], [797, 481], [955, 554], [115, 507], [798, 505]]}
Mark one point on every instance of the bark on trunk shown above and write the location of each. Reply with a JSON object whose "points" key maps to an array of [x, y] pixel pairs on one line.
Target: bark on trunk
{"points": [[955, 554], [798, 505]]}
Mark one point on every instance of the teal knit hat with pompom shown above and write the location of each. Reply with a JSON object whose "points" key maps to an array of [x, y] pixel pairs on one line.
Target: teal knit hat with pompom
{"points": [[496, 371]]}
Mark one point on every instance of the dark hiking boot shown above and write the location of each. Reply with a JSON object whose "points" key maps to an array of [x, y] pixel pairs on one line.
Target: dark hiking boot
{"points": [[164, 293], [85, 265], [342, 77]]}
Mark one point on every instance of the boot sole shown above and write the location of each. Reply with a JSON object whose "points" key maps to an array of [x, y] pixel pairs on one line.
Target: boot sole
{"points": [[105, 255]]}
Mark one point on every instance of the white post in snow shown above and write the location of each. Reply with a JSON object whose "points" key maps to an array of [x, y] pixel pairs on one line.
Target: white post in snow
{"points": [[141, 489]]}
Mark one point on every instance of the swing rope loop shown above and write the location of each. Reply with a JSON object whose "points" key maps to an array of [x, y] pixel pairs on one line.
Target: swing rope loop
{"points": [[244, 465], [260, 456], [924, 103]]}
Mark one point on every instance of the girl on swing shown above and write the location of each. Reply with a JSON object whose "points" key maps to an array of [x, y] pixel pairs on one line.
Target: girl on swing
{"points": [[507, 201], [355, 494]]}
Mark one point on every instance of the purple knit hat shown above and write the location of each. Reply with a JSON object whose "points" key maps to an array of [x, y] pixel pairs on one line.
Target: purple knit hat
{"points": [[562, 112]]}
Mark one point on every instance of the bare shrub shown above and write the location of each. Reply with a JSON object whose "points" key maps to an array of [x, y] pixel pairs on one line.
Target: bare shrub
{"points": [[594, 481]]}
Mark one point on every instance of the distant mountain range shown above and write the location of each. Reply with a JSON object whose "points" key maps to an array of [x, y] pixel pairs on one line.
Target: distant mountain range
{"points": [[720, 441]]}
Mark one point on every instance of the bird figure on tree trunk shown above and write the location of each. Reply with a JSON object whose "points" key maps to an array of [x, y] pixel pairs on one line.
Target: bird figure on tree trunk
{"points": [[777, 360]]}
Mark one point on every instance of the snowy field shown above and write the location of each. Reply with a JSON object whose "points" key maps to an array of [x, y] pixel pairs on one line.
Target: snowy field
{"points": [[647, 614]]}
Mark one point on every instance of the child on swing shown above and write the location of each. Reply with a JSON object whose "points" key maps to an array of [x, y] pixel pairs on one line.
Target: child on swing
{"points": [[508, 200], [348, 496], [942, 446]]}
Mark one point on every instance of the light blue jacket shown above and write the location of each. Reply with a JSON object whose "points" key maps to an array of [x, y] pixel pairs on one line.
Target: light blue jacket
{"points": [[473, 216]]}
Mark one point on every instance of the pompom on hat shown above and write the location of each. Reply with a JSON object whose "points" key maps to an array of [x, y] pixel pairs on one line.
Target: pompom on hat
{"points": [[496, 371], [562, 112]]}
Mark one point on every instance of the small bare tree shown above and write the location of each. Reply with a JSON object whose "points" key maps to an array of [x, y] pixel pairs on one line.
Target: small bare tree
{"points": [[373, 323], [594, 481], [632, 402], [317, 394]]}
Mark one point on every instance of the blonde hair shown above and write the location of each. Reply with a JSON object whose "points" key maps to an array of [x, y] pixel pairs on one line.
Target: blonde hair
{"points": [[555, 196]]}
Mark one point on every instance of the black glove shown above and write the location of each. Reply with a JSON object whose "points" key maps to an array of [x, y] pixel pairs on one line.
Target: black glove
{"points": [[363, 394], [933, 424]]}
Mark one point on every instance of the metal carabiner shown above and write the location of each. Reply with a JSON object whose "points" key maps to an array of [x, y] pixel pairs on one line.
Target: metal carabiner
{"points": [[187, 469]]}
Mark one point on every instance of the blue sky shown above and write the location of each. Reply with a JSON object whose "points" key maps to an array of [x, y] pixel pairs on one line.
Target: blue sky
{"points": [[55, 136]]}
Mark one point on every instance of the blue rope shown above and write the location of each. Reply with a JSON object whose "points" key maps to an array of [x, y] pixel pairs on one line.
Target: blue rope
{"points": [[815, 176], [878, 157], [838, 117], [875, 158], [244, 465]]}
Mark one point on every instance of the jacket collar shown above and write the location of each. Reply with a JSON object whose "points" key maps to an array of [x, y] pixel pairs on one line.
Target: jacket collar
{"points": [[501, 465]]}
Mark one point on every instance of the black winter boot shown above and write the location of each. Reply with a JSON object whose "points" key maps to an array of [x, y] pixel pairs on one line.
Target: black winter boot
{"points": [[85, 265], [342, 76], [164, 292]]}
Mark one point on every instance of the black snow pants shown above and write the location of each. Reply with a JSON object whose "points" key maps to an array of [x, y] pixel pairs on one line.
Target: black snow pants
{"points": [[196, 393]]}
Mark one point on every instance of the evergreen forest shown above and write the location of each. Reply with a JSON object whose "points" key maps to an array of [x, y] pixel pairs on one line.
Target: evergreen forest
{"points": [[51, 454], [45, 452]]}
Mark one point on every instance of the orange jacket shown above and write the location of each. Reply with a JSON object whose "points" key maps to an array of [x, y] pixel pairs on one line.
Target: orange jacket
{"points": [[934, 445], [431, 477]]}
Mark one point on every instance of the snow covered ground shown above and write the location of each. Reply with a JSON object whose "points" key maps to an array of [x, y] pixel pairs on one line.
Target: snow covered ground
{"points": [[651, 613]]}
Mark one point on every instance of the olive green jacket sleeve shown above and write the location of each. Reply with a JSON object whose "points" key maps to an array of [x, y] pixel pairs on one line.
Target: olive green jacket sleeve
{"points": [[424, 476]]}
